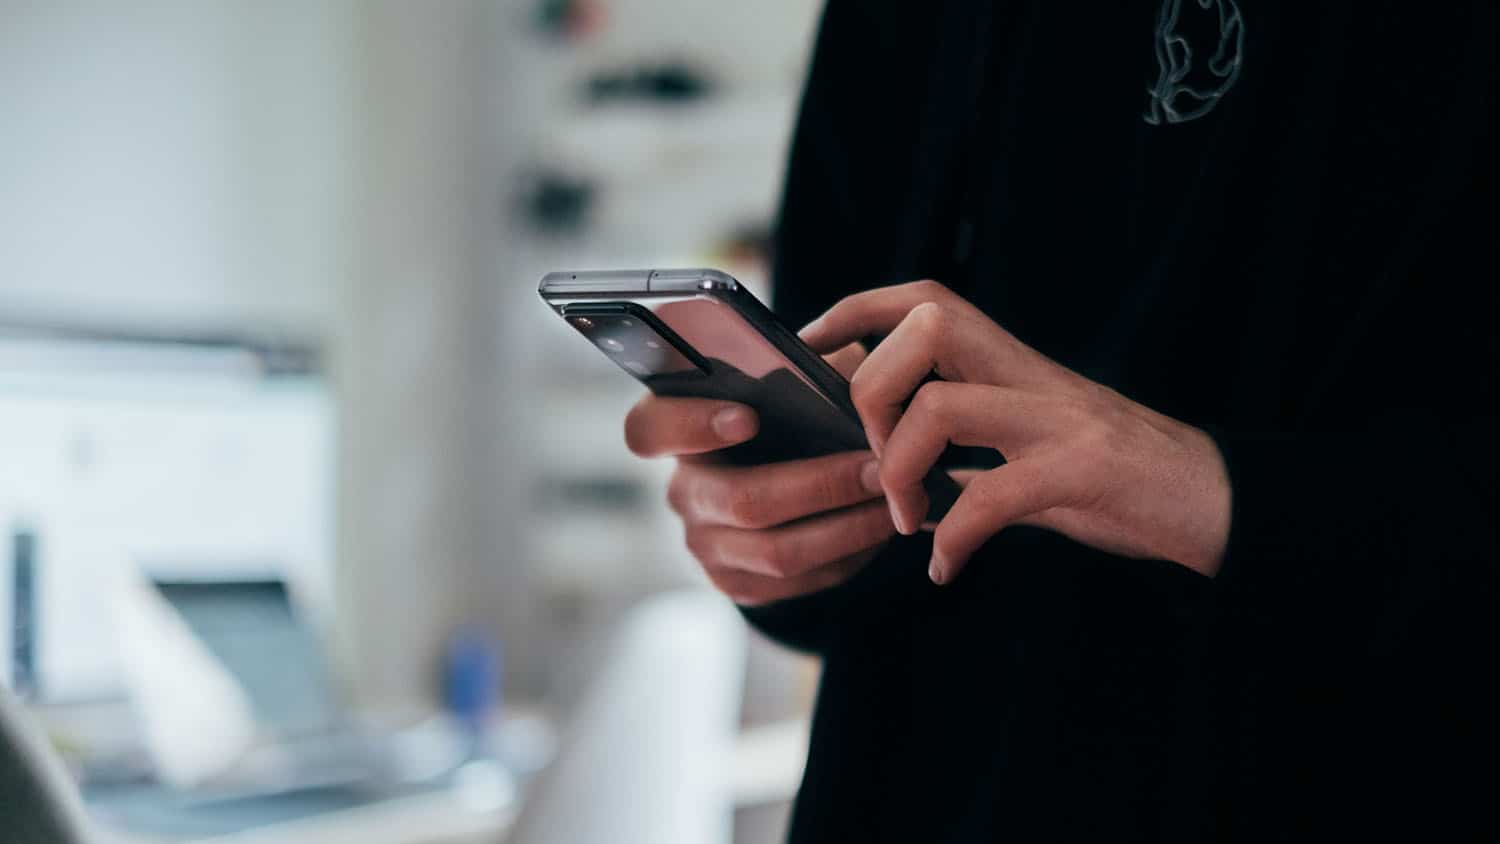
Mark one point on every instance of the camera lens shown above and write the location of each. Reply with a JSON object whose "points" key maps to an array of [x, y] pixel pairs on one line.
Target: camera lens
{"points": [[653, 345], [583, 322], [612, 344]]}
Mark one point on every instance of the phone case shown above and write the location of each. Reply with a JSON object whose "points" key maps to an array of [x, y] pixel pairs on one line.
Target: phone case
{"points": [[795, 422], [732, 348]]}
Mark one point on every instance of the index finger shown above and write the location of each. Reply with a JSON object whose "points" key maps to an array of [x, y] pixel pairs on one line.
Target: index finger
{"points": [[876, 311]]}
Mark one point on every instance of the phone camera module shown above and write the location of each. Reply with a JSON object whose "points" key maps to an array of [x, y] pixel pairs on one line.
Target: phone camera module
{"points": [[583, 322], [612, 344]]}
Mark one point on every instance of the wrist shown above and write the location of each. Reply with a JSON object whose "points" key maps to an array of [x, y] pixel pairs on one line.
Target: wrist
{"points": [[1210, 506]]}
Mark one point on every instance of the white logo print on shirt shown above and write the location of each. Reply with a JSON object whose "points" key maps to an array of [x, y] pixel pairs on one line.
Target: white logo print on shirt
{"points": [[1189, 87]]}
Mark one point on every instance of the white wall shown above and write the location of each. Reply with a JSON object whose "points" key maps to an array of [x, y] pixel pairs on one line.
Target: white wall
{"points": [[342, 170], [429, 524], [173, 163], [317, 169]]}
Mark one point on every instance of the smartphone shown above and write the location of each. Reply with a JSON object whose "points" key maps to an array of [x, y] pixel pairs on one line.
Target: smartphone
{"points": [[700, 334]]}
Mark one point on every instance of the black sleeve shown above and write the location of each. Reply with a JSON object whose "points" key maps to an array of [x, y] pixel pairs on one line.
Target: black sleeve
{"points": [[886, 584], [1371, 528], [858, 206], [1379, 523], [1358, 606]]}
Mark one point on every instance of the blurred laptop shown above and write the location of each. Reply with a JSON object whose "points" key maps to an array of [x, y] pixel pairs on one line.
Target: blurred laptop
{"points": [[310, 756], [307, 736]]}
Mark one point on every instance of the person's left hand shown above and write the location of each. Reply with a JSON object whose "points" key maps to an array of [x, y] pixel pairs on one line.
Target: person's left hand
{"points": [[1081, 459]]}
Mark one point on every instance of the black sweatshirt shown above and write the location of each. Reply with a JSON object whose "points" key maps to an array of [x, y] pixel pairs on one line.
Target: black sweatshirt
{"points": [[1272, 219]]}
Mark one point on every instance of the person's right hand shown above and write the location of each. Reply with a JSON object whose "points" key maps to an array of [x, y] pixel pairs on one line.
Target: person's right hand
{"points": [[763, 533]]}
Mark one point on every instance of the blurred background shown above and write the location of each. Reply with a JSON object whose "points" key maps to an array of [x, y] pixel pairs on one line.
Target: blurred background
{"points": [[317, 524]]}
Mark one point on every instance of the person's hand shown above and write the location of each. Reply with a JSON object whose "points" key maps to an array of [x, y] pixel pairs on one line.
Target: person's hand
{"points": [[763, 533], [1080, 458]]}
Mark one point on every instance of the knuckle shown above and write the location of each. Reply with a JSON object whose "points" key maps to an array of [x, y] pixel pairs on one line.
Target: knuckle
{"points": [[772, 555], [930, 319], [827, 490], [679, 490], [745, 504], [698, 545], [1088, 407], [929, 287], [1094, 436], [860, 387], [868, 394], [932, 399]]}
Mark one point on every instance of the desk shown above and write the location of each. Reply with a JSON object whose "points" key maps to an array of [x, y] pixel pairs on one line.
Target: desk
{"points": [[445, 817], [765, 768]]}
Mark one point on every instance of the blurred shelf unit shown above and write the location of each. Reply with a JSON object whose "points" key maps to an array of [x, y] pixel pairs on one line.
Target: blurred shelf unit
{"points": [[674, 178], [654, 137], [599, 509]]}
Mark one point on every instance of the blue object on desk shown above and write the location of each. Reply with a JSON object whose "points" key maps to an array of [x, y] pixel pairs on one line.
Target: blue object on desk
{"points": [[472, 678]]}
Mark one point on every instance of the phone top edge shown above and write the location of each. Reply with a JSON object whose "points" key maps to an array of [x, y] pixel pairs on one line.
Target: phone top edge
{"points": [[625, 282], [594, 281], [681, 281]]}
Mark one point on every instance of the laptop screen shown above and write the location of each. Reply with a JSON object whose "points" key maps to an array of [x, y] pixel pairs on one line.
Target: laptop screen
{"points": [[252, 628]]}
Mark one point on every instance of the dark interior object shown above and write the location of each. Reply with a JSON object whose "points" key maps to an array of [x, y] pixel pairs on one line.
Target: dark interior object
{"points": [[558, 203], [38, 804], [664, 82], [23, 613]]}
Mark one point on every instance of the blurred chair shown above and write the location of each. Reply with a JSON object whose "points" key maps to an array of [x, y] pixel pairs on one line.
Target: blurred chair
{"points": [[646, 758], [38, 804]]}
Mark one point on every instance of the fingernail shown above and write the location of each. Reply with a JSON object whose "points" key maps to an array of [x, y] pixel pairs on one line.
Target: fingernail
{"points": [[901, 526], [809, 328], [935, 571], [733, 424], [869, 476]]}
